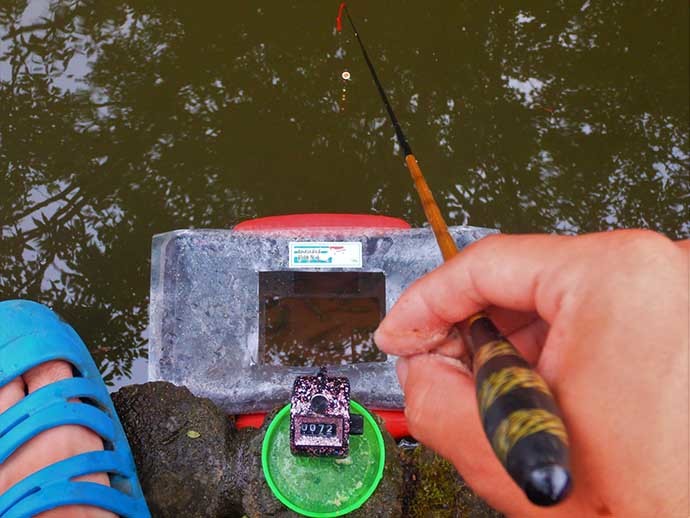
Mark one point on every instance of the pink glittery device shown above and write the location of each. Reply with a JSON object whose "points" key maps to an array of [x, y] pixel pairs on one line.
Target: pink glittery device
{"points": [[320, 421]]}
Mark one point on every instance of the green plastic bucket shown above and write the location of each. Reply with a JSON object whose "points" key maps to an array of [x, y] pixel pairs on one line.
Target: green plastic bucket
{"points": [[323, 487]]}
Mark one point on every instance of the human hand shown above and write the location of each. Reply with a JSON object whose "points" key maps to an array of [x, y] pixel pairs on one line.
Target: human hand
{"points": [[604, 318]]}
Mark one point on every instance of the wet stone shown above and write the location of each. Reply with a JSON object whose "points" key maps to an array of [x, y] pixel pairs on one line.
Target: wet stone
{"points": [[433, 487], [191, 461], [180, 445]]}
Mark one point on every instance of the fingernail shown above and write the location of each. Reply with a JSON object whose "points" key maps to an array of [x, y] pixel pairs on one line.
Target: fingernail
{"points": [[401, 368], [378, 335]]}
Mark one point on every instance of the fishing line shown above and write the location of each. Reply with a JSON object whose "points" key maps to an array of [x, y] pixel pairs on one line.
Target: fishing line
{"points": [[402, 140], [345, 75]]}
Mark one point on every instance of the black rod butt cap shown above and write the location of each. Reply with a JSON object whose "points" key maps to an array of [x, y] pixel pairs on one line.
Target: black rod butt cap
{"points": [[548, 485]]}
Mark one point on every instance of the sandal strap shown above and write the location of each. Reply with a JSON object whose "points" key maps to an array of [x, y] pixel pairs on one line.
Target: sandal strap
{"points": [[78, 493], [28, 351], [61, 471], [62, 390], [57, 414]]}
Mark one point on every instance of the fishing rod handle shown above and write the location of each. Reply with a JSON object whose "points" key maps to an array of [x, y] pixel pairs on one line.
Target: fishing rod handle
{"points": [[519, 414]]}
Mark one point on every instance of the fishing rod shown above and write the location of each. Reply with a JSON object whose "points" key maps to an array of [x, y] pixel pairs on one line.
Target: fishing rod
{"points": [[519, 414]]}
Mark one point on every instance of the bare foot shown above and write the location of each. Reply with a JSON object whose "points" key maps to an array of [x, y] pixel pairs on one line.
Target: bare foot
{"points": [[50, 446]]}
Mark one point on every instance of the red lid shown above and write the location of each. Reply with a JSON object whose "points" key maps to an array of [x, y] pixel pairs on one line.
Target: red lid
{"points": [[340, 221]]}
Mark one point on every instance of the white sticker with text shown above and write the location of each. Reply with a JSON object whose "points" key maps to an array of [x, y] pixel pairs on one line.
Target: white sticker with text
{"points": [[333, 254]]}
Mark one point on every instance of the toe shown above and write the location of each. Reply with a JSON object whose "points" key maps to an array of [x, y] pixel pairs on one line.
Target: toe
{"points": [[74, 511], [46, 373], [11, 393]]}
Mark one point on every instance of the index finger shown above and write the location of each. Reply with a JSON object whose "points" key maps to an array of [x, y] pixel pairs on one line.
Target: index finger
{"points": [[518, 272]]}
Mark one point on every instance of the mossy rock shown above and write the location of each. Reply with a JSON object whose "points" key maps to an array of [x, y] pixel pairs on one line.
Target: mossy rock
{"points": [[180, 444], [433, 488], [193, 462]]}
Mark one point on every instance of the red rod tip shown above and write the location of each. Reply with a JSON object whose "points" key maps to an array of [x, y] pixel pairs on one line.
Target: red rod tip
{"points": [[339, 19]]}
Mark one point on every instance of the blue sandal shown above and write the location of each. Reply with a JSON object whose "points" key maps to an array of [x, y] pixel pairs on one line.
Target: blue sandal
{"points": [[31, 334]]}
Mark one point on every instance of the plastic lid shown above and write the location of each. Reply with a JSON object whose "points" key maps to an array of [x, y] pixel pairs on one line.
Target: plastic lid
{"points": [[323, 486]]}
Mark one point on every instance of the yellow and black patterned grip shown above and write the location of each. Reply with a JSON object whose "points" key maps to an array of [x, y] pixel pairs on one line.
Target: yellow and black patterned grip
{"points": [[519, 415]]}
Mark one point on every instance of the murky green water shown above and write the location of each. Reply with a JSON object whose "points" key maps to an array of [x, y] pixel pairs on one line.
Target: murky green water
{"points": [[121, 119]]}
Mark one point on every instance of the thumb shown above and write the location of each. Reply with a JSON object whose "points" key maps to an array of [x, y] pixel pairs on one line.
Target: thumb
{"points": [[441, 412]]}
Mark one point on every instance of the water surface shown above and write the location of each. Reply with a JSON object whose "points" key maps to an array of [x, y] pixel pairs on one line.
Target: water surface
{"points": [[121, 119]]}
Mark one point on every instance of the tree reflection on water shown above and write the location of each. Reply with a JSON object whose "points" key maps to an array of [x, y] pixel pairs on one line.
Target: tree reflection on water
{"points": [[121, 119]]}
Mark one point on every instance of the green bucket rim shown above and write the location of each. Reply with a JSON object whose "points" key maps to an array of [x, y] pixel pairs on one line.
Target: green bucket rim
{"points": [[329, 514]]}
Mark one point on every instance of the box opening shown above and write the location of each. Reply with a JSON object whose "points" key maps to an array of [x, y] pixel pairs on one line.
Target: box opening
{"points": [[312, 319]]}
